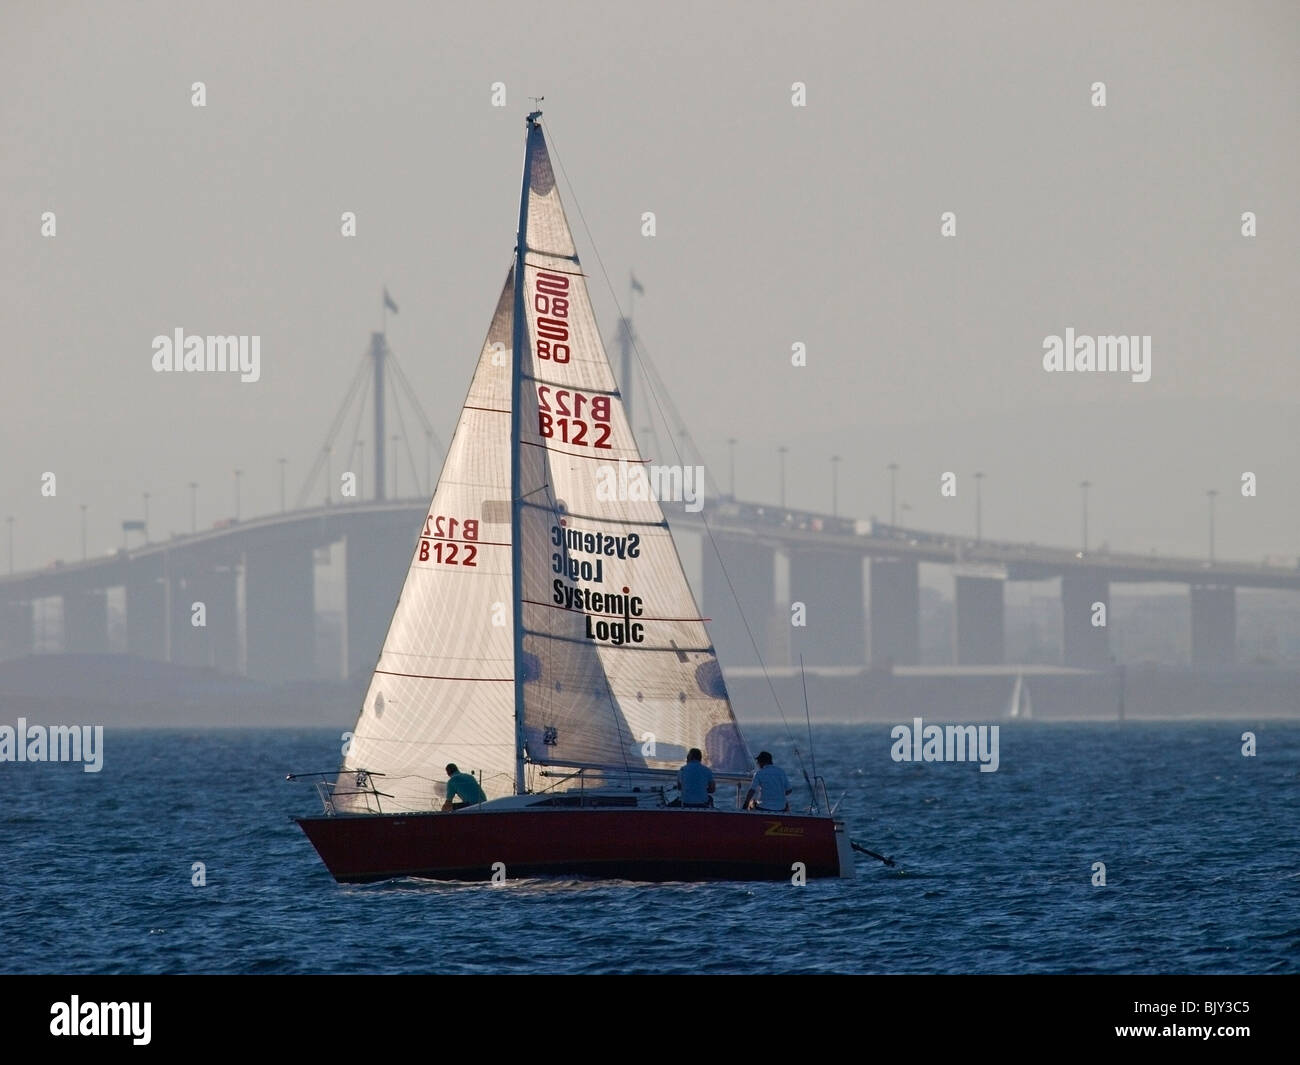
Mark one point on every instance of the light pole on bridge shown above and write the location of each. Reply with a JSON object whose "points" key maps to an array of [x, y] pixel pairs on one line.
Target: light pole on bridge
{"points": [[1085, 485], [1211, 493]]}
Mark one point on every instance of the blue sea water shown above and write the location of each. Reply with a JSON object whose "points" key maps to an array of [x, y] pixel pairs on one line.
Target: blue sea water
{"points": [[1201, 847]]}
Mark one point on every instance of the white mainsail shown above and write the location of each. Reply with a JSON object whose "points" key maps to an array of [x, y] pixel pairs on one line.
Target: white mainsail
{"points": [[615, 669], [618, 670], [443, 689]]}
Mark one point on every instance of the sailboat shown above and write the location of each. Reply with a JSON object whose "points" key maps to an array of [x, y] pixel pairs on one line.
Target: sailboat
{"points": [[1021, 707], [547, 642]]}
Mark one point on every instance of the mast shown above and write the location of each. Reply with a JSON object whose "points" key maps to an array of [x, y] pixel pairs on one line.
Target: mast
{"points": [[519, 335]]}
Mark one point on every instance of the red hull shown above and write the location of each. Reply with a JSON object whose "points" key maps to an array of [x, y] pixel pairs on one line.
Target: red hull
{"points": [[635, 844]]}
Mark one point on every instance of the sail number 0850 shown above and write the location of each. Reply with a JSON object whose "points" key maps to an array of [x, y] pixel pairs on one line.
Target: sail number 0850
{"points": [[441, 544], [551, 302]]}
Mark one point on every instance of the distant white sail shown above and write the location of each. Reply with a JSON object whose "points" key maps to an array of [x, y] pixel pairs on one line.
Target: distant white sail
{"points": [[619, 671], [443, 689], [1020, 707]]}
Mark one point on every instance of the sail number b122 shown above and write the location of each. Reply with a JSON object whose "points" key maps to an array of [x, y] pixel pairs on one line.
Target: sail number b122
{"points": [[439, 543], [553, 421]]}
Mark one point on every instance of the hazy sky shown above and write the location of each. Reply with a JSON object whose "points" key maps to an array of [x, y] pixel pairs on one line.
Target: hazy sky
{"points": [[775, 224]]}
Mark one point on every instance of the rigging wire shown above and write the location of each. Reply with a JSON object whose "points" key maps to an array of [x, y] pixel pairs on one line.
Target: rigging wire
{"points": [[636, 350]]}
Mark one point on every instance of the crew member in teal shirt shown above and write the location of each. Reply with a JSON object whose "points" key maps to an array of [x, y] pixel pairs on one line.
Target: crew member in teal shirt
{"points": [[461, 786]]}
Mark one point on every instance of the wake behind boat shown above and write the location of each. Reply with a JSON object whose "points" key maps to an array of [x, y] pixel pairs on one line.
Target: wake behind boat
{"points": [[546, 639]]}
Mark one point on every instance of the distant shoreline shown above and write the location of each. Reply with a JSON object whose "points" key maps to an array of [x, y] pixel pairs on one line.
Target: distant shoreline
{"points": [[124, 692]]}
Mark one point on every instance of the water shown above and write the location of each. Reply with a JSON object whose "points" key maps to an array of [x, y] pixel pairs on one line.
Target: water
{"points": [[1200, 844]]}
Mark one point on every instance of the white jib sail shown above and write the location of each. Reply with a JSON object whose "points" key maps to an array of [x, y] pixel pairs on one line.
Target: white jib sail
{"points": [[443, 689]]}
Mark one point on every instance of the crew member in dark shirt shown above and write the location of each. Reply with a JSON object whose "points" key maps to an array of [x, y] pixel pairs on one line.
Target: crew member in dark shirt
{"points": [[461, 786]]}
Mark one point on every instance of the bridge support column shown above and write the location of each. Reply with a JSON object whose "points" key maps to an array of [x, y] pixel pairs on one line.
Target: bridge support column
{"points": [[752, 569], [280, 607], [1214, 625], [376, 565], [1085, 645], [85, 622], [222, 593], [146, 614], [16, 629], [215, 642], [830, 585], [895, 613], [980, 635]]}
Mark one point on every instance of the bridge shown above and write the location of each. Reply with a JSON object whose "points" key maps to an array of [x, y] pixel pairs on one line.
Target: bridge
{"points": [[255, 582], [241, 596]]}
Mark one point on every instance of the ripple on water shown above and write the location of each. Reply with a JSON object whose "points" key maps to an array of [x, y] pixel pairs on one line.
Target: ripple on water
{"points": [[995, 870]]}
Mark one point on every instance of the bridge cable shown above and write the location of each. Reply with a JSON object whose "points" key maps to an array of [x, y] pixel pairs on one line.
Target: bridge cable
{"points": [[415, 400], [430, 434], [406, 439], [356, 431], [333, 432]]}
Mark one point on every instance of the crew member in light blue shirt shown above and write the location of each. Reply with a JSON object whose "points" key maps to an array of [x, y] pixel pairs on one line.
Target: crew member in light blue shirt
{"points": [[771, 785], [461, 786], [695, 780]]}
